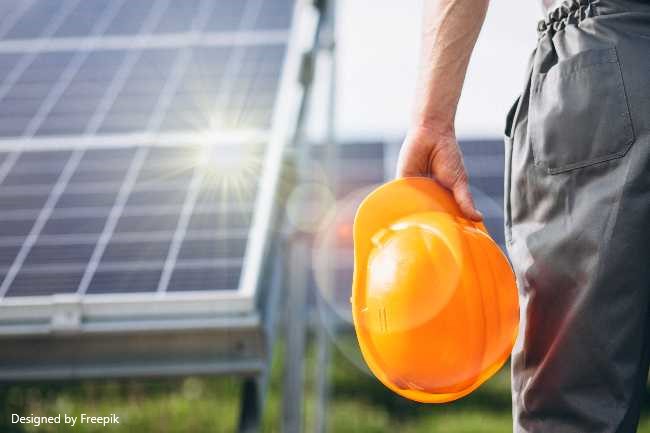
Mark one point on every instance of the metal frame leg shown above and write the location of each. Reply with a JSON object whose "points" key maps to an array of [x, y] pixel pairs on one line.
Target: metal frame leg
{"points": [[250, 417], [295, 331]]}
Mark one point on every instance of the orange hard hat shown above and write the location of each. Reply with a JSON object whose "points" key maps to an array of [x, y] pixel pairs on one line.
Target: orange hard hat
{"points": [[434, 299]]}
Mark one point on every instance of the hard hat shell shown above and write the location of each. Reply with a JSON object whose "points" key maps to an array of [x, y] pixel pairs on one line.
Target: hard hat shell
{"points": [[434, 299]]}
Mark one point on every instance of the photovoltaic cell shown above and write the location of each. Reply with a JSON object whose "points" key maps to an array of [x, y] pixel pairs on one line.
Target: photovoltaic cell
{"points": [[19, 201], [26, 178], [99, 157], [274, 14], [50, 255], [74, 225], [227, 15], [15, 228], [157, 198], [130, 17], [112, 175], [203, 279], [164, 222], [124, 252], [125, 281], [37, 17], [178, 17], [41, 283], [231, 220], [211, 248], [7, 255], [95, 199]]}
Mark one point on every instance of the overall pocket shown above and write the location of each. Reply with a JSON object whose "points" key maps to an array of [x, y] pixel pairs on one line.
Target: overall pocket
{"points": [[507, 172], [579, 112]]}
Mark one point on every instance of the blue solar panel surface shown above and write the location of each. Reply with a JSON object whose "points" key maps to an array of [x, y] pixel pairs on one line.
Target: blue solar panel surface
{"points": [[130, 218], [135, 204]]}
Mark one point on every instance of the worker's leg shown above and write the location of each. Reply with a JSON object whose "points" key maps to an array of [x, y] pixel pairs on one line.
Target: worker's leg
{"points": [[577, 225]]}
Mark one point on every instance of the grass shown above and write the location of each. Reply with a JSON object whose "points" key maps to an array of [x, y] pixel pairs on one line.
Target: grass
{"points": [[358, 404]]}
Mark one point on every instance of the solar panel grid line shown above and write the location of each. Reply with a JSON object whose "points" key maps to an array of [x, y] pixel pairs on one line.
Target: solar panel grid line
{"points": [[123, 72], [42, 218], [19, 214], [69, 72], [216, 234], [181, 228], [146, 41], [166, 139], [218, 262], [92, 238], [111, 222], [132, 265], [185, 264]]}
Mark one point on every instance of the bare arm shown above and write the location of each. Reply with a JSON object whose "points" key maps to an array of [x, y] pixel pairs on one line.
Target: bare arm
{"points": [[451, 28]]}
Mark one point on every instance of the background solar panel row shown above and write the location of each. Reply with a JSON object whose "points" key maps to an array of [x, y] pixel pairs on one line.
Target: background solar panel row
{"points": [[484, 163], [31, 19], [138, 247]]}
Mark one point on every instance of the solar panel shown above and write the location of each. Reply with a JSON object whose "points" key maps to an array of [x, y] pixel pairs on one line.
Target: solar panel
{"points": [[117, 213], [141, 148]]}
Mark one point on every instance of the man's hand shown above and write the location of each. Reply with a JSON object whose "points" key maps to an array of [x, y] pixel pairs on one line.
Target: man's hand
{"points": [[450, 29], [435, 153]]}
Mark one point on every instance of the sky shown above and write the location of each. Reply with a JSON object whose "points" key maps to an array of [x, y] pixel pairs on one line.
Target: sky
{"points": [[378, 45]]}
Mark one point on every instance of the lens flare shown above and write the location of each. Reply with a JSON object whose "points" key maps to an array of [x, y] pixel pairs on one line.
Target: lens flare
{"points": [[231, 171]]}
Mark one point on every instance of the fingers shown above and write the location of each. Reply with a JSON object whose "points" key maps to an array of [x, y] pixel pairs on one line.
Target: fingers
{"points": [[448, 168], [463, 197]]}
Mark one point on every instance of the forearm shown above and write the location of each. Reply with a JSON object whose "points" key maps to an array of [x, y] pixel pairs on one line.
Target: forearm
{"points": [[450, 30]]}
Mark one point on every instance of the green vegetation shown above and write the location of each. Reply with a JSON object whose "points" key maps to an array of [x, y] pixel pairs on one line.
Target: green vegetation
{"points": [[358, 404]]}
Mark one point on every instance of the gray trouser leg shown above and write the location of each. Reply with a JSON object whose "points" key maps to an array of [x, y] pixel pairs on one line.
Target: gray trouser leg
{"points": [[578, 221]]}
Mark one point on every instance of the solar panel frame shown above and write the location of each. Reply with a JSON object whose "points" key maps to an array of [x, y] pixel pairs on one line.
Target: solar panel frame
{"points": [[42, 314]]}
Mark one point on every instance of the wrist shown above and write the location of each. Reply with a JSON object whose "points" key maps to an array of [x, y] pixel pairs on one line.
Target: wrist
{"points": [[436, 127]]}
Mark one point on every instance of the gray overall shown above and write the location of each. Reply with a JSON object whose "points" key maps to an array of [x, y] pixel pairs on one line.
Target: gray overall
{"points": [[577, 206]]}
